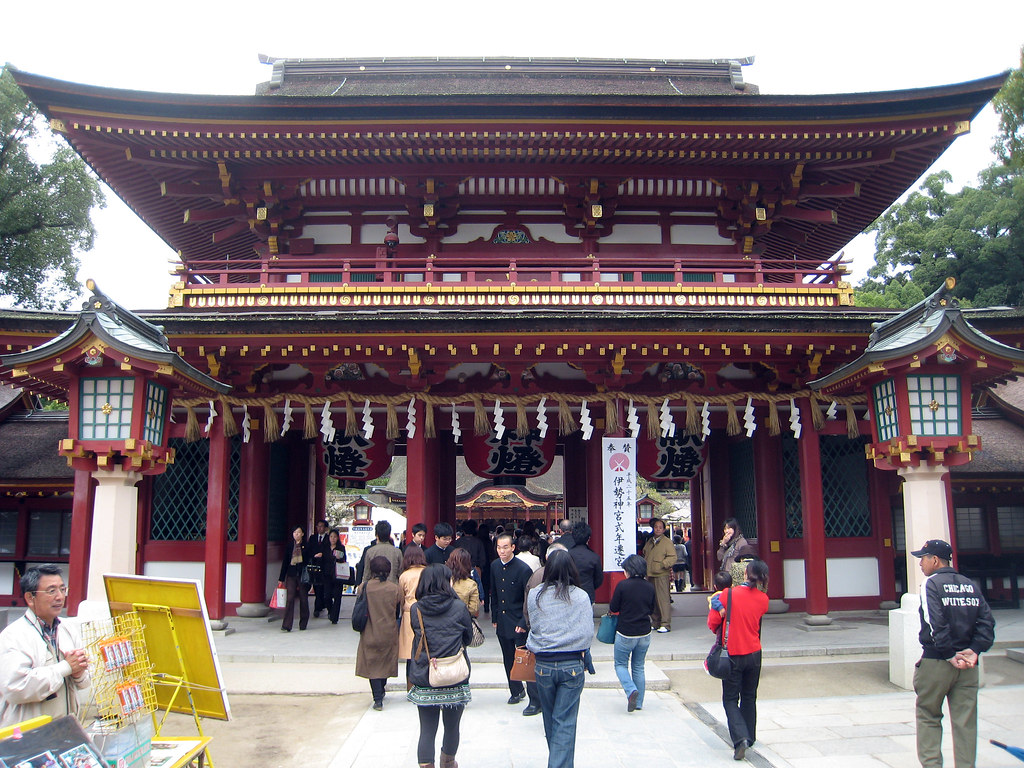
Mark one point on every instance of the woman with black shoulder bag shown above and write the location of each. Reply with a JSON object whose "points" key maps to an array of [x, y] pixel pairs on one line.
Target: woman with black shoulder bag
{"points": [[439, 668]]}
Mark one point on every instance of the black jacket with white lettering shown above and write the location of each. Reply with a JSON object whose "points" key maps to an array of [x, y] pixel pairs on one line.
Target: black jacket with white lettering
{"points": [[954, 616]]}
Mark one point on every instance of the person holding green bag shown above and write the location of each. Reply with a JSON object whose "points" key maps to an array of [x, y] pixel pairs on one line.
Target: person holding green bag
{"points": [[633, 601]]}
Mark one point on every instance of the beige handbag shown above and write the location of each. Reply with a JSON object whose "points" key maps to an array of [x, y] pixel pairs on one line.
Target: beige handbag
{"points": [[444, 671]]}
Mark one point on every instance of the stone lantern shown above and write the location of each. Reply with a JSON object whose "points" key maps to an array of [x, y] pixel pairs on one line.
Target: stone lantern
{"points": [[119, 376], [920, 371]]}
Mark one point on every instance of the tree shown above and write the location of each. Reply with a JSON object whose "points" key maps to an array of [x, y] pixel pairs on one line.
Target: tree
{"points": [[44, 208], [975, 235]]}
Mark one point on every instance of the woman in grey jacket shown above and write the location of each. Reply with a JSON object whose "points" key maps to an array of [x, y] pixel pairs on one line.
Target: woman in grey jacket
{"points": [[441, 615], [561, 629]]}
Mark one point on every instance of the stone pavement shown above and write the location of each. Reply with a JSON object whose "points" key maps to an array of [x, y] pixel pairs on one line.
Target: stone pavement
{"points": [[799, 725]]}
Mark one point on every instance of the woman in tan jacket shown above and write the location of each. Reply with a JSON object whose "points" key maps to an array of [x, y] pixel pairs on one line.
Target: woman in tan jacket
{"points": [[413, 563], [460, 564]]}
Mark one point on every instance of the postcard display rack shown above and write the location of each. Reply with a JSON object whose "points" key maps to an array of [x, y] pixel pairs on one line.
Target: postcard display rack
{"points": [[123, 698]]}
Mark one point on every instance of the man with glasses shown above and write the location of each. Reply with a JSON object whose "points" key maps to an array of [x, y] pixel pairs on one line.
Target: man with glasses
{"points": [[43, 665], [956, 628]]}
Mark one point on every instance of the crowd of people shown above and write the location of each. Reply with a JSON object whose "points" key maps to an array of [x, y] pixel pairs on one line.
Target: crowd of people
{"points": [[420, 604]]}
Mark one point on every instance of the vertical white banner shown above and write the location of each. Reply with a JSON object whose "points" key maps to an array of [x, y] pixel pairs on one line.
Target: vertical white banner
{"points": [[618, 476]]}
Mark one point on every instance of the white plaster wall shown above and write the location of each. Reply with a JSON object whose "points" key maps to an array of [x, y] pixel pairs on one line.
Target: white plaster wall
{"points": [[633, 234], [175, 569], [847, 577], [696, 234], [163, 569], [329, 234], [7, 577], [852, 577], [553, 232], [793, 573], [467, 232]]}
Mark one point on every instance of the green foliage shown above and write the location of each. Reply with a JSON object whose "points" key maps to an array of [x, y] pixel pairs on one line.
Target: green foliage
{"points": [[975, 235], [1009, 105], [44, 208], [897, 293]]}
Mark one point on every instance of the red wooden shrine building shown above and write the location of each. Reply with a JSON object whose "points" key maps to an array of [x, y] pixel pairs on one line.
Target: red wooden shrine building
{"points": [[497, 262]]}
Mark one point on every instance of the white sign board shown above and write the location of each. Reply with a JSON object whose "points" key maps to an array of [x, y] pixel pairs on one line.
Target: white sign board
{"points": [[576, 514], [359, 537], [618, 480]]}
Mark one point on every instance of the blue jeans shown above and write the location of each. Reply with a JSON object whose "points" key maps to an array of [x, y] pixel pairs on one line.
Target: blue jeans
{"points": [[632, 676], [559, 685]]}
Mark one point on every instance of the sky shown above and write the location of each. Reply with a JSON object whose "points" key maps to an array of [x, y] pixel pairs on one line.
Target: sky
{"points": [[212, 47]]}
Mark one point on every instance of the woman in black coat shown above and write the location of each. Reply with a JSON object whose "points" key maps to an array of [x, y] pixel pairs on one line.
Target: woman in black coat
{"points": [[292, 567], [333, 586], [440, 616]]}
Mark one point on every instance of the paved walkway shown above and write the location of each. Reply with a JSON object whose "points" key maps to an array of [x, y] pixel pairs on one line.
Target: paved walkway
{"points": [[798, 726]]}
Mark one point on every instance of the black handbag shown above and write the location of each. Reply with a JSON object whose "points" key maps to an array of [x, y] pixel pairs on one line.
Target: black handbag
{"points": [[360, 611], [718, 664]]}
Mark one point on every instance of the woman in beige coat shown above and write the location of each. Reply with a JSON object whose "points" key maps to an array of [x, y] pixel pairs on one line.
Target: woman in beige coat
{"points": [[460, 564], [413, 563], [377, 655]]}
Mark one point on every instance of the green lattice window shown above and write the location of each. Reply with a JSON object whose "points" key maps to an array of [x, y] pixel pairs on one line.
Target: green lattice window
{"points": [[934, 405], [844, 487], [741, 477], [156, 407], [105, 409], [791, 487], [180, 494], [884, 396], [657, 277]]}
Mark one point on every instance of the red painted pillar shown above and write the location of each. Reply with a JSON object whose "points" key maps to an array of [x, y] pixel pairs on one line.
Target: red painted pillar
{"points": [[574, 472], [252, 522], [698, 560], [216, 549], [446, 470], [881, 511], [771, 506], [81, 535], [815, 574], [319, 482], [421, 457], [718, 497]]}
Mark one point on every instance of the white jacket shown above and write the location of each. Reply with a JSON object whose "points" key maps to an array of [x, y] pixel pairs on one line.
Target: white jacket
{"points": [[29, 672]]}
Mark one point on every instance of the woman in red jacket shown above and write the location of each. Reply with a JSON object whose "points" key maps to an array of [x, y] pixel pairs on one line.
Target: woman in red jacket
{"points": [[739, 689]]}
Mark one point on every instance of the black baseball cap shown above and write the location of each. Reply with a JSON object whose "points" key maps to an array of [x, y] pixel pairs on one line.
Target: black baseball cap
{"points": [[937, 547]]}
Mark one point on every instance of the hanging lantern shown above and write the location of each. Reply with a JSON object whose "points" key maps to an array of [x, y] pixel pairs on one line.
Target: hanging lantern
{"points": [[509, 455], [670, 462], [353, 460]]}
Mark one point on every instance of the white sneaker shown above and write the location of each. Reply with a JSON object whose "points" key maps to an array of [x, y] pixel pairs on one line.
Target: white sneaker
{"points": [[663, 630]]}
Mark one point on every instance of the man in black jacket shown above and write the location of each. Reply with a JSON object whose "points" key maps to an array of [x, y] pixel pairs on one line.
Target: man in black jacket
{"points": [[956, 627], [509, 575], [588, 563], [442, 547]]}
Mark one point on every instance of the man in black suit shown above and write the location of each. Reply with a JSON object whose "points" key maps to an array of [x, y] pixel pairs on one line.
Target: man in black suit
{"points": [[588, 563], [442, 547], [320, 547], [509, 575]]}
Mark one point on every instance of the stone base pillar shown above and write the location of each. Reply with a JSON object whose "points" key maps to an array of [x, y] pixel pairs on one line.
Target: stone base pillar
{"points": [[904, 646], [252, 610], [114, 528]]}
